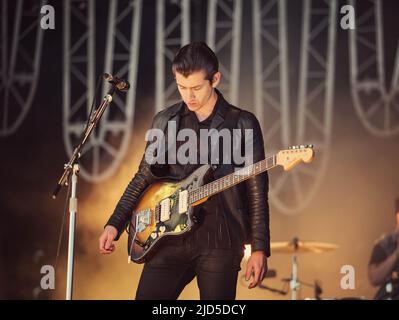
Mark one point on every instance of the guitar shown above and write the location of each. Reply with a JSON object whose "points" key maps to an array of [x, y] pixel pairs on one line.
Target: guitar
{"points": [[166, 207]]}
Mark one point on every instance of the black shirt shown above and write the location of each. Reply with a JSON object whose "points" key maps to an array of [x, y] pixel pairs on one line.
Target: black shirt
{"points": [[212, 230]]}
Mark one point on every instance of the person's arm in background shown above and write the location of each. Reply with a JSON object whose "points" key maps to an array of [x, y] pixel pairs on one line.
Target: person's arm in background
{"points": [[123, 211], [378, 273]]}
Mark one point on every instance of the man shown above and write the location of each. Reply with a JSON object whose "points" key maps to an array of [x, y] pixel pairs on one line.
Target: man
{"points": [[228, 220], [383, 267]]}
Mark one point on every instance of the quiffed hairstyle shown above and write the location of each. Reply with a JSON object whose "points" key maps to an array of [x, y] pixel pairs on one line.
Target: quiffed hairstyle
{"points": [[194, 57]]}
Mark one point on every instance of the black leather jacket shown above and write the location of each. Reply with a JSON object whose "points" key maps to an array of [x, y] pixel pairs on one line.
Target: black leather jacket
{"points": [[246, 204]]}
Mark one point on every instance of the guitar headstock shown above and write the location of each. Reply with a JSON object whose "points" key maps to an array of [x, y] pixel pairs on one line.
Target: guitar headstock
{"points": [[294, 155]]}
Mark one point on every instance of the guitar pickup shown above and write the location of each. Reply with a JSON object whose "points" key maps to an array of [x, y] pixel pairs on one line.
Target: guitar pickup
{"points": [[183, 201], [165, 209]]}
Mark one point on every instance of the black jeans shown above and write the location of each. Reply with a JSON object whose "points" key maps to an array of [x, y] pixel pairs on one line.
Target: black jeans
{"points": [[166, 274]]}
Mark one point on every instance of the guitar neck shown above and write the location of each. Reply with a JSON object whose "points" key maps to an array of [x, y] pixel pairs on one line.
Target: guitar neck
{"points": [[231, 179]]}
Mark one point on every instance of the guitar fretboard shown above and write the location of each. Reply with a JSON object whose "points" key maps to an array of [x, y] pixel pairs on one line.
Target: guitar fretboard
{"points": [[231, 179]]}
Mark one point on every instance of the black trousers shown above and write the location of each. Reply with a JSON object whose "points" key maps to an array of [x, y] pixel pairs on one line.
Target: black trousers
{"points": [[175, 265]]}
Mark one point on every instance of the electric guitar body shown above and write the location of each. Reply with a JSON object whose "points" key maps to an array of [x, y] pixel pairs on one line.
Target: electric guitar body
{"points": [[155, 220]]}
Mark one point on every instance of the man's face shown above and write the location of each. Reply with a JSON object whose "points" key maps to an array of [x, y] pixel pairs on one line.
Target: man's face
{"points": [[195, 90]]}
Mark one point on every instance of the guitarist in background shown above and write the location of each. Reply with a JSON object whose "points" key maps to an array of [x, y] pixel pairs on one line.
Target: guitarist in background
{"points": [[383, 268], [213, 251]]}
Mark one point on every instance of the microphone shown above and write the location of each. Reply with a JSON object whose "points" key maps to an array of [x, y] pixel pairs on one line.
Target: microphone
{"points": [[121, 85]]}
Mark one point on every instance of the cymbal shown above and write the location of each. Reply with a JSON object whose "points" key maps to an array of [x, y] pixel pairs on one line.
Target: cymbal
{"points": [[297, 246]]}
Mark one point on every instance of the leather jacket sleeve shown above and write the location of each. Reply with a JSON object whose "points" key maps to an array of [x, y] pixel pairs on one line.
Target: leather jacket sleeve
{"points": [[257, 188], [124, 208]]}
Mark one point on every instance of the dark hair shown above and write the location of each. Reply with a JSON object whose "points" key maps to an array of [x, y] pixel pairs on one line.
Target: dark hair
{"points": [[194, 57]]}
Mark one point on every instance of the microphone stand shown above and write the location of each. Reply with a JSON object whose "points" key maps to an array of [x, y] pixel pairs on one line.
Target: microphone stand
{"points": [[317, 288], [71, 170]]}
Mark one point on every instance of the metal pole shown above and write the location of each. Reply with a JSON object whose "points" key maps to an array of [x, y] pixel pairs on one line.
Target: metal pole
{"points": [[73, 205], [294, 278]]}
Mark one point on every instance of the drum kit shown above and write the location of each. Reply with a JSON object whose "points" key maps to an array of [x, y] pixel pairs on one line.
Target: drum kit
{"points": [[296, 247]]}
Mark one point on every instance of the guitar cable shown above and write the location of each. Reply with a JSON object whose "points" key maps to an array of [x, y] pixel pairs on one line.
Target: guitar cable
{"points": [[131, 245]]}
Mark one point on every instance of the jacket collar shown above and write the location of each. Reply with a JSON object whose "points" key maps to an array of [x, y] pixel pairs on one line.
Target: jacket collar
{"points": [[220, 115], [217, 120]]}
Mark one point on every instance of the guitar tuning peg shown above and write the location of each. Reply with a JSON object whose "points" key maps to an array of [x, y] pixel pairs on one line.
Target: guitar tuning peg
{"points": [[290, 147]]}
